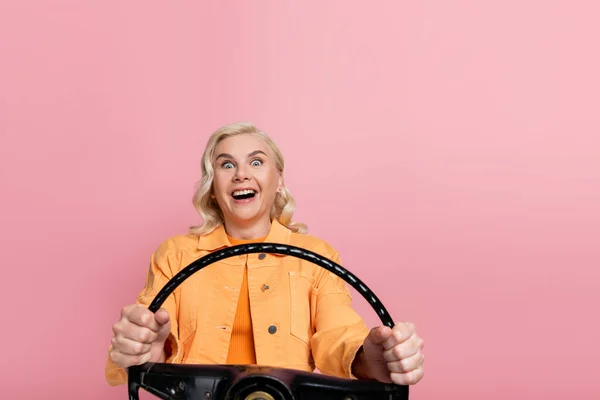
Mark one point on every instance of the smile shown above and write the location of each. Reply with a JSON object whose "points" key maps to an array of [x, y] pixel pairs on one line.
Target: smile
{"points": [[243, 194]]}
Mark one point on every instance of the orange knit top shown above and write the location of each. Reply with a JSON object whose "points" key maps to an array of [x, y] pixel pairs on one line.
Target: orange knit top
{"points": [[241, 346]]}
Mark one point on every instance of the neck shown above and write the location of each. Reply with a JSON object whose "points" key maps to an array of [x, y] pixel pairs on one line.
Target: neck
{"points": [[248, 232]]}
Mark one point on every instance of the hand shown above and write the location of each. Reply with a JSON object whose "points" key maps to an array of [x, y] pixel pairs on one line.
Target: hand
{"points": [[394, 355], [139, 336]]}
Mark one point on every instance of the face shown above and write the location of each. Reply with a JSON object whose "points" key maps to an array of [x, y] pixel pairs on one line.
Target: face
{"points": [[246, 179]]}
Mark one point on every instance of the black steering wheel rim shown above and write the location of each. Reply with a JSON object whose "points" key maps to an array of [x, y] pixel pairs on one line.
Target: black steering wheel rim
{"points": [[136, 372], [274, 248]]}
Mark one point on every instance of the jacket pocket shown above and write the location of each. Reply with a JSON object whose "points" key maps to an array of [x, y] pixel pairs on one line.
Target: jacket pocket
{"points": [[301, 288]]}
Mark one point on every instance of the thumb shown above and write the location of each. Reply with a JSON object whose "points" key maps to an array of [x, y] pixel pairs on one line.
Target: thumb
{"points": [[162, 317], [379, 335]]}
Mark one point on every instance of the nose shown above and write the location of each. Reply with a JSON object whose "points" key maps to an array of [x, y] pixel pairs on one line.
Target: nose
{"points": [[241, 174]]}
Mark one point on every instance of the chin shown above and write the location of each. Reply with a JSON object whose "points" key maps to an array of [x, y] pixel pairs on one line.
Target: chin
{"points": [[245, 216], [245, 219]]}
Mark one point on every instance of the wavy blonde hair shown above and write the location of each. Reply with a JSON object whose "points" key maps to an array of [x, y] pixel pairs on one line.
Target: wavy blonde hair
{"points": [[210, 212]]}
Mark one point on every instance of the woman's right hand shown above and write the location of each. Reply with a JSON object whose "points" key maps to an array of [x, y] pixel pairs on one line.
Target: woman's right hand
{"points": [[139, 336]]}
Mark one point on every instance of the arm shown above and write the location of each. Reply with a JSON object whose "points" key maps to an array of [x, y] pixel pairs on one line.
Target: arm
{"points": [[339, 330], [343, 346], [158, 275], [360, 366]]}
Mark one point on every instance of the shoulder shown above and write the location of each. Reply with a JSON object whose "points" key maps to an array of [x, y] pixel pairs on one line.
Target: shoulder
{"points": [[175, 245], [314, 244], [322, 275]]}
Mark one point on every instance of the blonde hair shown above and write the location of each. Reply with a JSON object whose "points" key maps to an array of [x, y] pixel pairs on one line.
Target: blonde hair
{"points": [[210, 212]]}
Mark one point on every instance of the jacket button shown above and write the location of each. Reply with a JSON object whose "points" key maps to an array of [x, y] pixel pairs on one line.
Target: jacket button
{"points": [[272, 329], [262, 256]]}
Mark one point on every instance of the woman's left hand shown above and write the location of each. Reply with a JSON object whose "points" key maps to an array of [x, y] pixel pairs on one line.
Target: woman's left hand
{"points": [[394, 355]]}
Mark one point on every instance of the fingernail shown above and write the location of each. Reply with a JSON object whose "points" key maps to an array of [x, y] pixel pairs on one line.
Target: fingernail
{"points": [[146, 358]]}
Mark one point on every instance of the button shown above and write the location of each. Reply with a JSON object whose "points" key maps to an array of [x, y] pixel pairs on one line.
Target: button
{"points": [[264, 288], [272, 329], [262, 256]]}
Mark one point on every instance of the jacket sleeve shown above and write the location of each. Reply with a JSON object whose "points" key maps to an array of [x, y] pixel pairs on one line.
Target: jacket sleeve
{"points": [[158, 275], [339, 330]]}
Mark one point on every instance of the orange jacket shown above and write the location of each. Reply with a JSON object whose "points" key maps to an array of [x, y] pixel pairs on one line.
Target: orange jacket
{"points": [[301, 314]]}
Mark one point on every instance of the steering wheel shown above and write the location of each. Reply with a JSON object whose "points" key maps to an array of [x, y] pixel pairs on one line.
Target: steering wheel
{"points": [[251, 382]]}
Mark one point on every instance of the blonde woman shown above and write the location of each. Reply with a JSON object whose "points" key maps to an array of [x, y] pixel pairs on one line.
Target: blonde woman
{"points": [[263, 309]]}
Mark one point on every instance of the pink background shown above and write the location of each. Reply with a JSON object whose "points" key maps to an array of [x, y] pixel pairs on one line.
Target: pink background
{"points": [[449, 150]]}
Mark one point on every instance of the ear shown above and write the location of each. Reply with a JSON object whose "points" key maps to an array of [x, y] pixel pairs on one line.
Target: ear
{"points": [[280, 183]]}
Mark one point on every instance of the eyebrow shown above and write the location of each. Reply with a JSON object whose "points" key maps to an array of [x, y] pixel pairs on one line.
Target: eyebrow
{"points": [[254, 153]]}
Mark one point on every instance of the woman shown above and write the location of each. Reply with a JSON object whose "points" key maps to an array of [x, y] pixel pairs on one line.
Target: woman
{"points": [[264, 309]]}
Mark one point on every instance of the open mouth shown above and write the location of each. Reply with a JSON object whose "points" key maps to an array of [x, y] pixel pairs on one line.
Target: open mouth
{"points": [[243, 194]]}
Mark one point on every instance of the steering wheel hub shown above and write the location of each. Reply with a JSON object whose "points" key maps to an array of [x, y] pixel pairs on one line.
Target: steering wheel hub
{"points": [[259, 395]]}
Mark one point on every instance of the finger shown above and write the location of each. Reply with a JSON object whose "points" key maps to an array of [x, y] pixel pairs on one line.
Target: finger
{"points": [[404, 350], [407, 364], [378, 335], [400, 333], [129, 347], [126, 361], [141, 316], [162, 317], [129, 330], [407, 378]]}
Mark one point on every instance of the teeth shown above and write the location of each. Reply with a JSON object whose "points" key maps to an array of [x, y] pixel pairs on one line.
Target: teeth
{"points": [[243, 192]]}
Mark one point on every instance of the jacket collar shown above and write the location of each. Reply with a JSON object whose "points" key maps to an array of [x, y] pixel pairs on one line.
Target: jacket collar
{"points": [[217, 239]]}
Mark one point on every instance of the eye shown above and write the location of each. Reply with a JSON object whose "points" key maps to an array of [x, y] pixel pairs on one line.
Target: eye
{"points": [[256, 163], [227, 165]]}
